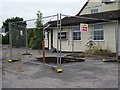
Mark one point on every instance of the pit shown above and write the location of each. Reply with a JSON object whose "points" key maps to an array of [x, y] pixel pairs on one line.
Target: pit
{"points": [[64, 60]]}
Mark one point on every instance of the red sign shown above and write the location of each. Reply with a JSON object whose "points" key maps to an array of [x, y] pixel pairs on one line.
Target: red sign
{"points": [[83, 27]]}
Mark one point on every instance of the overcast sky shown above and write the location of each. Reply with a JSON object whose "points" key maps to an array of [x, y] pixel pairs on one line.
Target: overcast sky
{"points": [[27, 9]]}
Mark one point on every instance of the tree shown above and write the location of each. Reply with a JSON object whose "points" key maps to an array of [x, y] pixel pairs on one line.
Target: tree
{"points": [[5, 39], [16, 19], [36, 38]]}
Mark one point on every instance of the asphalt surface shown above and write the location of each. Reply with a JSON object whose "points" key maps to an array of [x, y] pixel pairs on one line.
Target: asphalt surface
{"points": [[0, 65], [89, 74], [0, 75]]}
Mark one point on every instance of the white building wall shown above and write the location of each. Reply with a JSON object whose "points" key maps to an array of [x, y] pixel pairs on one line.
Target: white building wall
{"points": [[65, 43], [46, 40], [102, 7], [109, 38], [107, 43]]}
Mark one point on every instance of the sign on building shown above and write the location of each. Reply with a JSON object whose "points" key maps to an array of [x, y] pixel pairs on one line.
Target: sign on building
{"points": [[63, 35], [83, 27]]}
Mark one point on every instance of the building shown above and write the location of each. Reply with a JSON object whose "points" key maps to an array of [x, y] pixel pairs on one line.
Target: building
{"points": [[101, 17]]}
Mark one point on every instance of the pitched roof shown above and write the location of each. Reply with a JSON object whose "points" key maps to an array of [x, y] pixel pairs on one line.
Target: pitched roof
{"points": [[110, 15], [89, 18], [83, 7], [103, 1], [110, 1]]}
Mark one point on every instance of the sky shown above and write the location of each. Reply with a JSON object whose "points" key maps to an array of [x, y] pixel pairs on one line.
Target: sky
{"points": [[27, 9]]}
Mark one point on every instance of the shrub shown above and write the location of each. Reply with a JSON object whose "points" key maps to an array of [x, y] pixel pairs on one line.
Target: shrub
{"points": [[99, 52], [5, 39], [35, 42], [103, 52]]}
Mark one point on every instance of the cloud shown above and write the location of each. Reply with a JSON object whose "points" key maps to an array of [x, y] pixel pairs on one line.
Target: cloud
{"points": [[47, 1], [27, 9]]}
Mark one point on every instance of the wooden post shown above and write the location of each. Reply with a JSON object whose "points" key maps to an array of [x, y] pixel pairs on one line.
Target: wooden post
{"points": [[43, 49]]}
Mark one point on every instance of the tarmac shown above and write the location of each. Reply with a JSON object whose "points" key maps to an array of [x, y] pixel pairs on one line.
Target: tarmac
{"points": [[0, 65], [0, 75], [92, 73]]}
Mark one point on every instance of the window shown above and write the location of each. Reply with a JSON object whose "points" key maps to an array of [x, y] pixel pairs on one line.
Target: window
{"points": [[98, 33], [76, 33], [94, 11]]}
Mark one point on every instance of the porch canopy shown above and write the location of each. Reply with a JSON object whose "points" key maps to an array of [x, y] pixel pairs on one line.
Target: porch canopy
{"points": [[88, 18]]}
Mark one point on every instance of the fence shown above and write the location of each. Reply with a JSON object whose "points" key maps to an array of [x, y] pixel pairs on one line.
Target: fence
{"points": [[21, 37]]}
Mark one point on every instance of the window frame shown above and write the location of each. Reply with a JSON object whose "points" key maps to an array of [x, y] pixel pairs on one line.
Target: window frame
{"points": [[94, 10], [98, 29], [77, 30]]}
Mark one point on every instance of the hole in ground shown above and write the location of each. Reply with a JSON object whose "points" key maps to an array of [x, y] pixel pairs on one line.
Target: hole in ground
{"points": [[63, 59]]}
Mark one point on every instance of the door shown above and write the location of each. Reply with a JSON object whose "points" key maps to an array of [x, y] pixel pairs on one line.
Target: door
{"points": [[51, 38]]}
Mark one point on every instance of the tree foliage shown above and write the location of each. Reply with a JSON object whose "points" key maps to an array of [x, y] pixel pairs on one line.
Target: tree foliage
{"points": [[5, 39], [13, 19], [35, 37]]}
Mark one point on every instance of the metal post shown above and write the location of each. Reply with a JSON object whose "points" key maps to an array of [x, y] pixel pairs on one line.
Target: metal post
{"points": [[26, 37], [72, 42], [60, 38], [10, 40], [57, 38], [117, 38], [118, 22]]}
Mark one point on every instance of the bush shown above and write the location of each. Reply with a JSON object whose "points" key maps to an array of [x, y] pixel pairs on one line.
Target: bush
{"points": [[99, 52], [5, 39], [35, 41], [103, 52], [35, 38]]}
